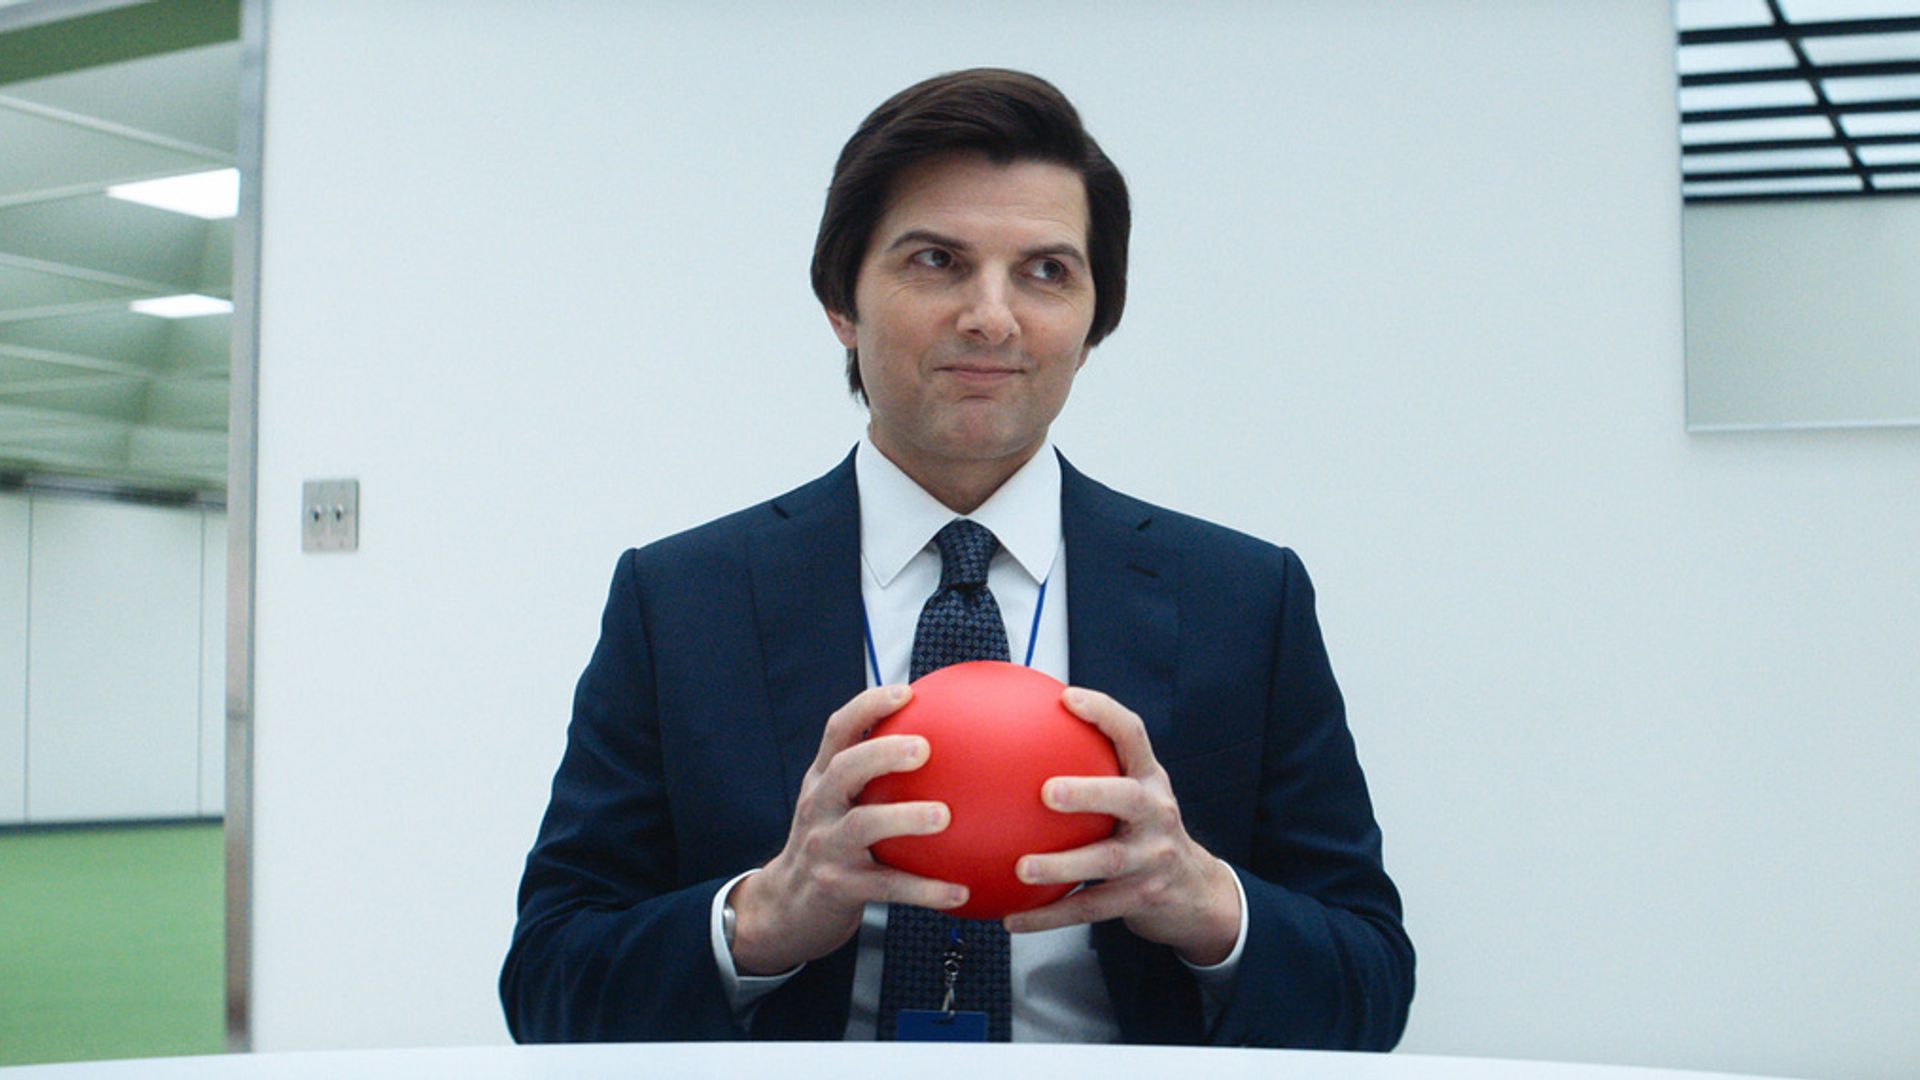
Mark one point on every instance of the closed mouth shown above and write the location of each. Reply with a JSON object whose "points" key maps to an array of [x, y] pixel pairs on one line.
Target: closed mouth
{"points": [[979, 369]]}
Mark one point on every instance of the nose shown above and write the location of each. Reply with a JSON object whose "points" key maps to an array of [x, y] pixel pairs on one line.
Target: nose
{"points": [[988, 315]]}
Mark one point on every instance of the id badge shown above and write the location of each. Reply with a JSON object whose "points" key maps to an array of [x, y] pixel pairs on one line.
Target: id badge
{"points": [[934, 1025]]}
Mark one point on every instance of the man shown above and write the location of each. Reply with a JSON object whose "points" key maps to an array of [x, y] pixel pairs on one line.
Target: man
{"points": [[703, 869]]}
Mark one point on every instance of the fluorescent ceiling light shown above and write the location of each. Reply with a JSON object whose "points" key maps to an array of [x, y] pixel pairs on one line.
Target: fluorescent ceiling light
{"points": [[1715, 14], [1736, 56], [1885, 181], [1759, 95], [1900, 154], [183, 307], [207, 195], [1871, 88], [1860, 125], [1785, 127], [1807, 11], [1771, 187], [1815, 158], [1862, 48]]}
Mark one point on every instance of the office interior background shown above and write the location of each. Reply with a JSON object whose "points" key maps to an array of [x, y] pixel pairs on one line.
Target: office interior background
{"points": [[1636, 703]]}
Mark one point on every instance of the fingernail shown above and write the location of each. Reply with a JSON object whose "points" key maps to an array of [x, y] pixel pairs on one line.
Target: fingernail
{"points": [[1075, 697], [1024, 871], [937, 818], [896, 693], [956, 896], [1053, 793]]}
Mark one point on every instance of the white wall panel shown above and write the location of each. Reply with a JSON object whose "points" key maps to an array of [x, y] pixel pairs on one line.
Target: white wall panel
{"points": [[213, 665], [14, 511], [1636, 707], [1802, 312], [113, 721]]}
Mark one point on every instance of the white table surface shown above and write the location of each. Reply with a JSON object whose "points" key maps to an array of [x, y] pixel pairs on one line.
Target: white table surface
{"points": [[834, 1061]]}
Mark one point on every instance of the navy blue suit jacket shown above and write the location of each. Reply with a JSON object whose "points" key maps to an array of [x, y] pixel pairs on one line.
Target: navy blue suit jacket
{"points": [[724, 649]]}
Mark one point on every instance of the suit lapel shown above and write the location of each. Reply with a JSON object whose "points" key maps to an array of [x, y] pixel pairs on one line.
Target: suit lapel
{"points": [[806, 590], [1122, 600]]}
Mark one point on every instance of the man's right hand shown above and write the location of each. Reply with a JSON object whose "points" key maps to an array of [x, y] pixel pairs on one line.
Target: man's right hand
{"points": [[807, 901]]}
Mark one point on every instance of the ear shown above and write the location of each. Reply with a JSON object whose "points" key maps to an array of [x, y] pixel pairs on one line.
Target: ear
{"points": [[1085, 351], [844, 329]]}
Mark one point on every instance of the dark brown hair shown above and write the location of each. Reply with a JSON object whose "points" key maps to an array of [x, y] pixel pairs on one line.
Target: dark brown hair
{"points": [[1007, 115]]}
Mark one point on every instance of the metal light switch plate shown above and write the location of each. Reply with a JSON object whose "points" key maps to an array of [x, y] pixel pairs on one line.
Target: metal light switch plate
{"points": [[330, 515]]}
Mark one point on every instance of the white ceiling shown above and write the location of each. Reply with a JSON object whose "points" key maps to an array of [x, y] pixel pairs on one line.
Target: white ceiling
{"points": [[87, 387]]}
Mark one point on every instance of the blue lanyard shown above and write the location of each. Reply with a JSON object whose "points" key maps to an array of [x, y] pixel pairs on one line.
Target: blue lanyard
{"points": [[1033, 632]]}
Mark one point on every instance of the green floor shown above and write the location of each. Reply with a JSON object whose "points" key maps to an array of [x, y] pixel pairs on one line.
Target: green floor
{"points": [[111, 943]]}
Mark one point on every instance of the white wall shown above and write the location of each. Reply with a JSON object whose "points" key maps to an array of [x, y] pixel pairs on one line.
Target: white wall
{"points": [[14, 518], [113, 723], [1803, 312], [212, 734], [1636, 706], [108, 615], [103, 658]]}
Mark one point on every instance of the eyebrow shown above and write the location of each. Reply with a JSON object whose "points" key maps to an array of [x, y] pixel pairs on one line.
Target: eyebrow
{"points": [[928, 236]]}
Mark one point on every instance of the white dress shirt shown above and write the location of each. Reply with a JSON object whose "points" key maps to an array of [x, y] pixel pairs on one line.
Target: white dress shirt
{"points": [[1058, 992]]}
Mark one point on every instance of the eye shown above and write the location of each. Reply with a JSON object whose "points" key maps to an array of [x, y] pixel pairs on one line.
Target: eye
{"points": [[1052, 271], [933, 258]]}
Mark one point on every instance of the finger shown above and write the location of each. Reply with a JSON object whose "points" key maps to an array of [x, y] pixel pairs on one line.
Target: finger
{"points": [[1123, 797], [1118, 723], [1097, 903], [850, 770], [850, 722], [885, 885], [867, 825], [1102, 859]]}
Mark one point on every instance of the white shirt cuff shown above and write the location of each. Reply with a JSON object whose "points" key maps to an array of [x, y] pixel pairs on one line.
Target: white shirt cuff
{"points": [[745, 991], [1216, 980]]}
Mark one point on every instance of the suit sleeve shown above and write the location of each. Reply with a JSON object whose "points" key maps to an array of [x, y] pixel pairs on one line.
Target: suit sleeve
{"points": [[1327, 963], [610, 944]]}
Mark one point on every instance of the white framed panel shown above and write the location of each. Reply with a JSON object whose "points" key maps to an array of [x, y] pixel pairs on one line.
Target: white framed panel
{"points": [[213, 664], [114, 661], [1800, 313], [15, 513]]}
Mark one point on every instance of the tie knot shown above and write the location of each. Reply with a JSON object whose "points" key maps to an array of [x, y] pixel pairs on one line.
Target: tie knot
{"points": [[966, 547]]}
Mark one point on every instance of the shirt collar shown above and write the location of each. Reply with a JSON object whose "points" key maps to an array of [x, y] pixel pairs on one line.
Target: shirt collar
{"points": [[898, 518]]}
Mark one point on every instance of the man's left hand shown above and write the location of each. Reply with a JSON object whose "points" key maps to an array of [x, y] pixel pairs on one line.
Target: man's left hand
{"points": [[1166, 886]]}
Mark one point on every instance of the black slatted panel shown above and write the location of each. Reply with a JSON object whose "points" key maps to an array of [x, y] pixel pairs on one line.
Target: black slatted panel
{"points": [[1871, 179]]}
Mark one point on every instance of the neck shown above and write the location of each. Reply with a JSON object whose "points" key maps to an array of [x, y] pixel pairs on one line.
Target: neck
{"points": [[961, 486]]}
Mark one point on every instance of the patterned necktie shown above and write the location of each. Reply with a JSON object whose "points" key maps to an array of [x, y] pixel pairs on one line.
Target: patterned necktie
{"points": [[960, 622]]}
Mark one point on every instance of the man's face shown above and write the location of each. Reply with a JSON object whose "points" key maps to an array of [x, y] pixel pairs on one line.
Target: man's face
{"points": [[975, 298]]}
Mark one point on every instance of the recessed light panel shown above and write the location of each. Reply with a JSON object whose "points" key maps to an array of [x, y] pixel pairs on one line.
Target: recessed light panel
{"points": [[1717, 14], [1887, 181], [209, 195], [1735, 56], [1771, 187], [1871, 88], [185, 306], [1824, 157], [1897, 154], [1785, 127], [1862, 48], [1807, 11], [1760, 95], [1860, 125]]}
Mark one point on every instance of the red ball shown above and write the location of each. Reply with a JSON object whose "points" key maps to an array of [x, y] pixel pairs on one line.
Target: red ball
{"points": [[997, 732]]}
